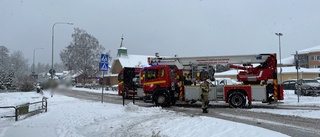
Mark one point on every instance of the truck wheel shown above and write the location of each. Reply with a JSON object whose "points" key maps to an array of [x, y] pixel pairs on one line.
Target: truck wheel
{"points": [[237, 100], [162, 100]]}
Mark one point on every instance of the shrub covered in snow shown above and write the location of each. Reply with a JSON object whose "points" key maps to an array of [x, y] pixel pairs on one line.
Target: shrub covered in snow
{"points": [[24, 83]]}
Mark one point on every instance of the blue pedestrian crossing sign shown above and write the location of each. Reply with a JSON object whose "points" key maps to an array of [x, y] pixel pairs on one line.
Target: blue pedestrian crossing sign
{"points": [[103, 63], [103, 66], [104, 58]]}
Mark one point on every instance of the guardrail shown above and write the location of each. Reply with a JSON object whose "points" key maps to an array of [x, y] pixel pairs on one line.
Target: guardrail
{"points": [[26, 109]]}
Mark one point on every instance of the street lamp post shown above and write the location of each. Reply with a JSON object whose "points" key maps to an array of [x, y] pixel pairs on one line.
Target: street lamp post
{"points": [[67, 23], [280, 34], [34, 56]]}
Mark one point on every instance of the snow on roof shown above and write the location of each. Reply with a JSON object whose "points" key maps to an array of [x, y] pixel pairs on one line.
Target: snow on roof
{"points": [[290, 60], [287, 61], [293, 69], [122, 48], [309, 50], [134, 61], [109, 75], [59, 74]]}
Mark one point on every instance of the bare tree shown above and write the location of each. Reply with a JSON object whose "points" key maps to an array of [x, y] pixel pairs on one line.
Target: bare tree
{"points": [[40, 68], [82, 54], [59, 67], [19, 65], [4, 58]]}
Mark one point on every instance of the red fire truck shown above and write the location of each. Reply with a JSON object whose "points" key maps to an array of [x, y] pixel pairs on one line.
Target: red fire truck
{"points": [[128, 92], [170, 79]]}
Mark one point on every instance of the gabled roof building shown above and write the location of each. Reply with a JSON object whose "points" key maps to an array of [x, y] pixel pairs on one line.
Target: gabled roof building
{"points": [[124, 59]]}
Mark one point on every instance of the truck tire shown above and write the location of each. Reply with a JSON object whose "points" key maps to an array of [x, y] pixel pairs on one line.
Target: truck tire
{"points": [[237, 100], [162, 100]]}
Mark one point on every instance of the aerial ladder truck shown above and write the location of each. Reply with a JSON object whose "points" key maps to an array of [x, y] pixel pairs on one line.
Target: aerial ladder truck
{"points": [[169, 79]]}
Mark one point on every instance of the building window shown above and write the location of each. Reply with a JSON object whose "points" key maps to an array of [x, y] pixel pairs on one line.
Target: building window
{"points": [[313, 58]]}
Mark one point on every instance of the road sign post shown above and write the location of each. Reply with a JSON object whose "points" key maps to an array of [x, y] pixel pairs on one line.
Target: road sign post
{"points": [[103, 66], [298, 89]]}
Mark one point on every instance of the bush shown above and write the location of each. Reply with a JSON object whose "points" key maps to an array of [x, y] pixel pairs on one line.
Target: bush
{"points": [[25, 83], [2, 87]]}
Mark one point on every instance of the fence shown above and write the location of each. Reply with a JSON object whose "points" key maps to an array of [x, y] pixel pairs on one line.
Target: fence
{"points": [[27, 108]]}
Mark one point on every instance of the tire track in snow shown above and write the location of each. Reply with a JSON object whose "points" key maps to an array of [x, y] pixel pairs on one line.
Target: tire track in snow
{"points": [[111, 126]]}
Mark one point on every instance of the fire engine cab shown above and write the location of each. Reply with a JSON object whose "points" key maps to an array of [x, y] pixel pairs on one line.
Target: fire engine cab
{"points": [[170, 79]]}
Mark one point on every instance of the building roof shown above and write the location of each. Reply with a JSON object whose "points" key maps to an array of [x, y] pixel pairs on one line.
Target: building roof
{"points": [[122, 48], [309, 50], [287, 61], [293, 69], [290, 60], [134, 61]]}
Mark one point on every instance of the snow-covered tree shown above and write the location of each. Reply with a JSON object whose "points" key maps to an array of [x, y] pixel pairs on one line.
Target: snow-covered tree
{"points": [[83, 53], [59, 67], [40, 67], [19, 65], [4, 58]]}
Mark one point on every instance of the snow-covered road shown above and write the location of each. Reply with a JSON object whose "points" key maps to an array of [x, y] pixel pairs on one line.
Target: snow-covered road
{"points": [[68, 116]]}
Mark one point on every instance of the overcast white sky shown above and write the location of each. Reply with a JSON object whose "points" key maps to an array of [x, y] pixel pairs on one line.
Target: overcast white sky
{"points": [[182, 27]]}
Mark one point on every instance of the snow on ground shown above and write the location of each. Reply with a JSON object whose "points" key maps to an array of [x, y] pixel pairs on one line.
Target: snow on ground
{"points": [[68, 116], [99, 90], [292, 99]]}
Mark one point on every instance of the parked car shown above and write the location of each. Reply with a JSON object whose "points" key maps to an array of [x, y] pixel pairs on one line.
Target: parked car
{"points": [[289, 84], [87, 86], [307, 86], [79, 85]]}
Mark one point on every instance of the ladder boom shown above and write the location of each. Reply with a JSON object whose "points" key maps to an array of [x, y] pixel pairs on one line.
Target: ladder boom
{"points": [[185, 62]]}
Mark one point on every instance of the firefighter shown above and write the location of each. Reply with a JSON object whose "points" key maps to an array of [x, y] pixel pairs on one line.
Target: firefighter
{"points": [[204, 95]]}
